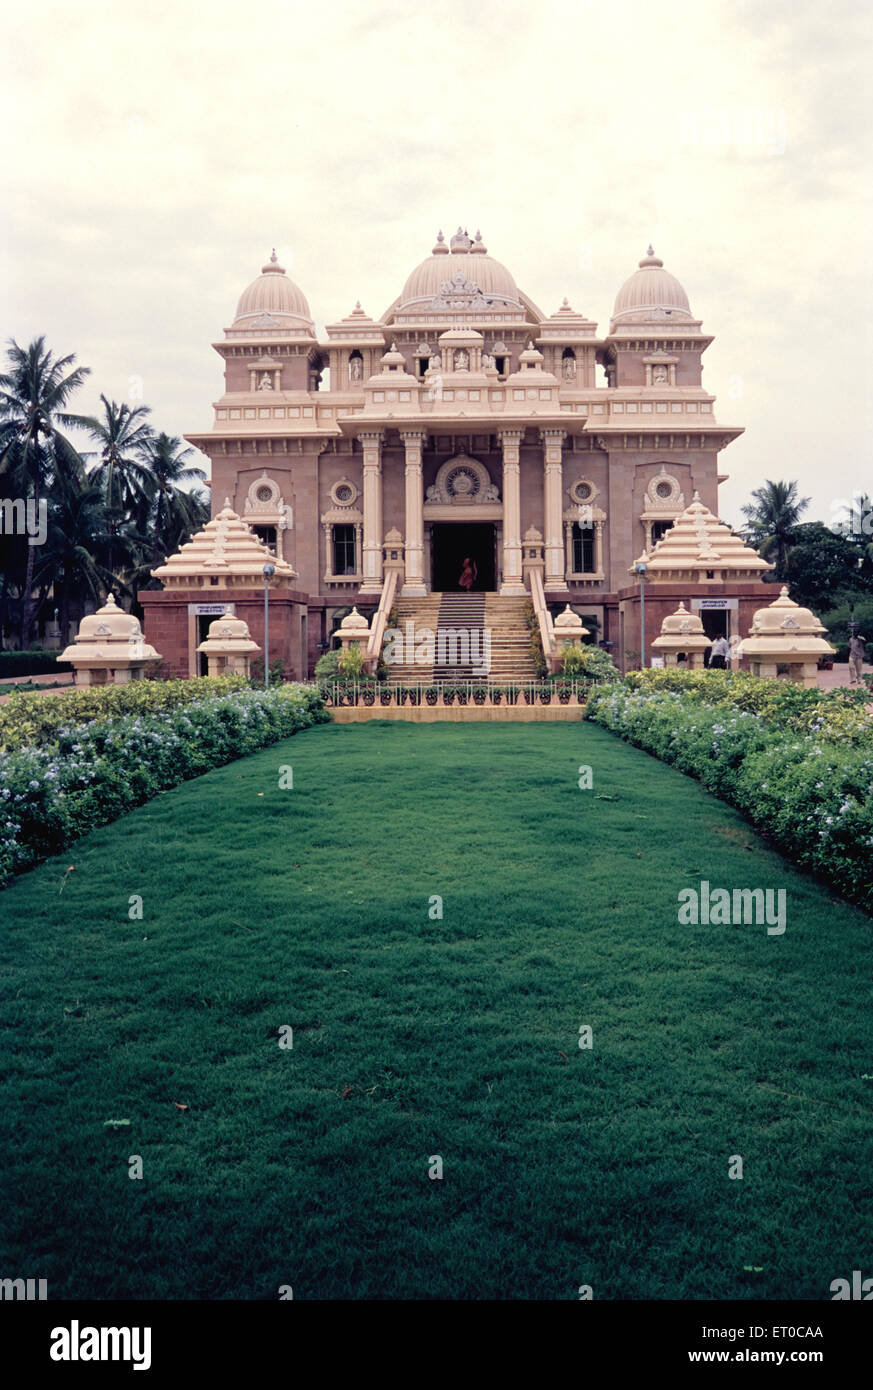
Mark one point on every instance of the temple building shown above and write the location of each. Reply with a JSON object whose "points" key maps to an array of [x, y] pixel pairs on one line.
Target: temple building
{"points": [[464, 424]]}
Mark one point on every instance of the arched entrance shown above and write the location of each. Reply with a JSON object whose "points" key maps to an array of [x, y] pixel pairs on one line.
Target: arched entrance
{"points": [[451, 543]]}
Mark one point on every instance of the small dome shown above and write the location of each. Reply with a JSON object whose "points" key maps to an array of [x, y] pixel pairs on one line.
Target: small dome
{"points": [[784, 616], [569, 624], [651, 294], [273, 294], [354, 622], [110, 623]]}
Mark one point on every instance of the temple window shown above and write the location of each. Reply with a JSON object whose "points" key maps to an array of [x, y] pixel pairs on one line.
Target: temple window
{"points": [[343, 542], [267, 534], [583, 549], [659, 529]]}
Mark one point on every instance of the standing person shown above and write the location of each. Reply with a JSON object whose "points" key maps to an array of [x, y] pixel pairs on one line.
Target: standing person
{"points": [[718, 654], [469, 574], [857, 652]]}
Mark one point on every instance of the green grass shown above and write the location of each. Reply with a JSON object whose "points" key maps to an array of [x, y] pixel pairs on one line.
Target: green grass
{"points": [[415, 1037]]}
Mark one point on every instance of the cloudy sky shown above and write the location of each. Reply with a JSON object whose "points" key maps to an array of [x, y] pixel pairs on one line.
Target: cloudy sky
{"points": [[155, 153]]}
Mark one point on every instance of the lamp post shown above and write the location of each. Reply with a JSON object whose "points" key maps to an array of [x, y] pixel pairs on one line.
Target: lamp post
{"points": [[269, 571], [642, 569]]}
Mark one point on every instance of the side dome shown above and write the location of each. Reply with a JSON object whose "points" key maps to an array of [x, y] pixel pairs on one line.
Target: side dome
{"points": [[651, 294], [467, 261], [275, 296]]}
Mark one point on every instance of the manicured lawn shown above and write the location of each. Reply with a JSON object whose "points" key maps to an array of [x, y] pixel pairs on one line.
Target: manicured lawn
{"points": [[414, 1037]]}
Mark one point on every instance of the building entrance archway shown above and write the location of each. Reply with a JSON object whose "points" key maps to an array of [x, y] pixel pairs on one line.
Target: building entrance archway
{"points": [[451, 543]]}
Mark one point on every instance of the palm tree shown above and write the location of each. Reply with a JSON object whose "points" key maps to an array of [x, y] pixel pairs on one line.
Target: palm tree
{"points": [[775, 510], [126, 482], [175, 508], [73, 560], [34, 392]]}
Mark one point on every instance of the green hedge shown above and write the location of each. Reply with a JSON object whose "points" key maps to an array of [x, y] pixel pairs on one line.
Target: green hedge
{"points": [[36, 663], [29, 719], [94, 772], [812, 790]]}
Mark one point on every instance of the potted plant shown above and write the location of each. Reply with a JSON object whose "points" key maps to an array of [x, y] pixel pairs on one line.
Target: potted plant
{"points": [[496, 694], [386, 695], [545, 694], [414, 694], [462, 694], [565, 690], [511, 694], [480, 694], [369, 695], [431, 694], [448, 694]]}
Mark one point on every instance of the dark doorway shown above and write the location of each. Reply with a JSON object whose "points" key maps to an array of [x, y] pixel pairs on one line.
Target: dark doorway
{"points": [[203, 621], [715, 624], [451, 543]]}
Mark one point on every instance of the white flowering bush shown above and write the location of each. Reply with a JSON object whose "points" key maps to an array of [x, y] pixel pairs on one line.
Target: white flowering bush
{"points": [[811, 792], [91, 773]]}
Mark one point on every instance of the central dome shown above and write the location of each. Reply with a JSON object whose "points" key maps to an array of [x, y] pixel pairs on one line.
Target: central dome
{"points": [[466, 258], [276, 296]]}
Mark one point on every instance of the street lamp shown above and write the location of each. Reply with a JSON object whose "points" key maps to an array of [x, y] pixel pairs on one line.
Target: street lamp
{"points": [[269, 571], [642, 569]]}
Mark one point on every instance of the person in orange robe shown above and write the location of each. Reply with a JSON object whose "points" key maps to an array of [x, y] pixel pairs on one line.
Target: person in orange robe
{"points": [[469, 574]]}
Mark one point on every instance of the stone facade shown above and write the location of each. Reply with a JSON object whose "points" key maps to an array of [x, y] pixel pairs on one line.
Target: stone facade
{"points": [[462, 406]]}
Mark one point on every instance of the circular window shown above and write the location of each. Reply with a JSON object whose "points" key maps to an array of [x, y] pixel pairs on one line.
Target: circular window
{"points": [[664, 490], [264, 494], [582, 491], [343, 493]]}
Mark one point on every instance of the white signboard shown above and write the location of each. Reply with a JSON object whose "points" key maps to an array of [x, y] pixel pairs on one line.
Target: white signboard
{"points": [[698, 605], [210, 610]]}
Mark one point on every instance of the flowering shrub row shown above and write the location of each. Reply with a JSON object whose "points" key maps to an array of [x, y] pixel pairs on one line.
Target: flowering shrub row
{"points": [[812, 794], [97, 771], [839, 713], [29, 720]]}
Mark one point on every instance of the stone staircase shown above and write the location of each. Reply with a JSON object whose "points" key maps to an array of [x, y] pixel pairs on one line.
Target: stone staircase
{"points": [[511, 660], [464, 616], [421, 612]]}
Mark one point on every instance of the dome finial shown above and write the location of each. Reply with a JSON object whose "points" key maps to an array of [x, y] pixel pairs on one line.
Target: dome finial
{"points": [[275, 259], [651, 250]]}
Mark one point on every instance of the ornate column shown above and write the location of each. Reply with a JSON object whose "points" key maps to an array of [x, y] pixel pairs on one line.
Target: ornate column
{"points": [[414, 583], [568, 547], [555, 576], [371, 445], [598, 547], [513, 583]]}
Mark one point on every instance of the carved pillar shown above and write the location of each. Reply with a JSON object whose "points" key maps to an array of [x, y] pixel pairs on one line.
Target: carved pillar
{"points": [[414, 584], [371, 445], [513, 582], [328, 557], [568, 547], [598, 546], [555, 577], [648, 544]]}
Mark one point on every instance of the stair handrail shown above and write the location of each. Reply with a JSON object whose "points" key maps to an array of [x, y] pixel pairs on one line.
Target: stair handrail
{"points": [[380, 620], [544, 617]]}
